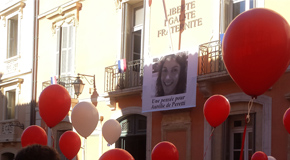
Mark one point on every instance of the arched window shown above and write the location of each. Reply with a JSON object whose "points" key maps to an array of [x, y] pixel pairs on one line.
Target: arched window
{"points": [[7, 156], [133, 135]]}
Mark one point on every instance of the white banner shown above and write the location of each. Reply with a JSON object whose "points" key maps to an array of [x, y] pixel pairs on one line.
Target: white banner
{"points": [[169, 82]]}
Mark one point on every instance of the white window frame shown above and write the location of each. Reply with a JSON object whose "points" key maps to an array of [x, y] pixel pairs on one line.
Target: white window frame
{"points": [[8, 35], [226, 19], [11, 114], [129, 29], [5, 90], [246, 143], [9, 11], [69, 68], [135, 29]]}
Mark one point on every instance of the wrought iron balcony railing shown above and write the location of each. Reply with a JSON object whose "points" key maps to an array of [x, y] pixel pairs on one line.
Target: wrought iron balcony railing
{"points": [[210, 61], [210, 58], [65, 81], [132, 77]]}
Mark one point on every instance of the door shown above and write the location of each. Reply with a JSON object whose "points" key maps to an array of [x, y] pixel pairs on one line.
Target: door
{"points": [[133, 136]]}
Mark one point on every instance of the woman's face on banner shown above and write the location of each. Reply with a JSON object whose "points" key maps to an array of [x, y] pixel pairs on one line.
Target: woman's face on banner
{"points": [[170, 76]]}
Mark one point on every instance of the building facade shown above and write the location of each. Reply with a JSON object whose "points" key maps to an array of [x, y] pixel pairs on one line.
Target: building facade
{"points": [[82, 39], [17, 103]]}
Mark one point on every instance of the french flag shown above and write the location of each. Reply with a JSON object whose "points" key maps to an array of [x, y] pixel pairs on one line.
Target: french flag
{"points": [[53, 80], [122, 65]]}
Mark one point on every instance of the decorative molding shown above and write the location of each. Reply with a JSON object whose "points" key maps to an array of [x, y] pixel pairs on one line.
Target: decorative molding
{"points": [[2, 91], [12, 64], [66, 19], [111, 102], [10, 130], [7, 128], [205, 88], [67, 13], [3, 18], [64, 9], [177, 121], [10, 82], [118, 4], [10, 9]]}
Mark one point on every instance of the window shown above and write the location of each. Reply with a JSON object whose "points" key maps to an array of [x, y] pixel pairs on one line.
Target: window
{"points": [[236, 130], [10, 90], [136, 33], [131, 42], [66, 34], [232, 8], [67, 58], [133, 136], [11, 15], [133, 15], [10, 104], [227, 137], [7, 156], [12, 32]]}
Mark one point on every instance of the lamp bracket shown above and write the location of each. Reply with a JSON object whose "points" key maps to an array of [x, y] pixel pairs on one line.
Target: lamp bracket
{"points": [[91, 81]]}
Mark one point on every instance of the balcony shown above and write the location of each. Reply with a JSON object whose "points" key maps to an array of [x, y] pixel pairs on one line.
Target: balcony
{"points": [[11, 131], [128, 82], [65, 81], [211, 69], [210, 62]]}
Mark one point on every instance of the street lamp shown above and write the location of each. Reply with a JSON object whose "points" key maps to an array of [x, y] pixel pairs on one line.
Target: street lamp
{"points": [[79, 86]]}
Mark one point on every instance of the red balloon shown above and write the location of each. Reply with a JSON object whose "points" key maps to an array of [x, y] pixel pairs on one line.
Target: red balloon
{"points": [[33, 135], [54, 104], [117, 154], [69, 144], [164, 151], [259, 155], [256, 49], [216, 110], [286, 120]]}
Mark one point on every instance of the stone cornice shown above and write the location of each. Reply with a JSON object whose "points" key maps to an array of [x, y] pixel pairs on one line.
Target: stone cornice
{"points": [[67, 13]]}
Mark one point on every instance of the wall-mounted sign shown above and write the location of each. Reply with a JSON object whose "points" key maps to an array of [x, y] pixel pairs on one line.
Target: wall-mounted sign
{"points": [[180, 24], [169, 82]]}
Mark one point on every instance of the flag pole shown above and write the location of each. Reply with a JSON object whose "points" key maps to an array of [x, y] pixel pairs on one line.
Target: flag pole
{"points": [[166, 19], [182, 21]]}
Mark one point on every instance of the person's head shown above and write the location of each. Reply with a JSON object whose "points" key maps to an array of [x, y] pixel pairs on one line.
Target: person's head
{"points": [[172, 75], [37, 152]]}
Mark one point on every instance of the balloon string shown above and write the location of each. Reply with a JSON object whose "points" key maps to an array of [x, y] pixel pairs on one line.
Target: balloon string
{"points": [[250, 105], [208, 142], [52, 137], [244, 136]]}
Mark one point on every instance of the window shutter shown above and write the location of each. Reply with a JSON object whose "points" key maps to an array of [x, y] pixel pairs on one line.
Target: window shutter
{"points": [[57, 63], [69, 52], [57, 52], [70, 59], [63, 62]]}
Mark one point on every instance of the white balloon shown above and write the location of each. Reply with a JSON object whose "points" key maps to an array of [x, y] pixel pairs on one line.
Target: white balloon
{"points": [[271, 158], [111, 131], [85, 118]]}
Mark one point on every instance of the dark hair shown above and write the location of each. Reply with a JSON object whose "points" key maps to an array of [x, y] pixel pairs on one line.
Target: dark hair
{"points": [[37, 152], [181, 59]]}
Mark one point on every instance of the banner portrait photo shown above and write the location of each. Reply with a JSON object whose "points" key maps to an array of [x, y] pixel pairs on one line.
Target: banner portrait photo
{"points": [[168, 83]]}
